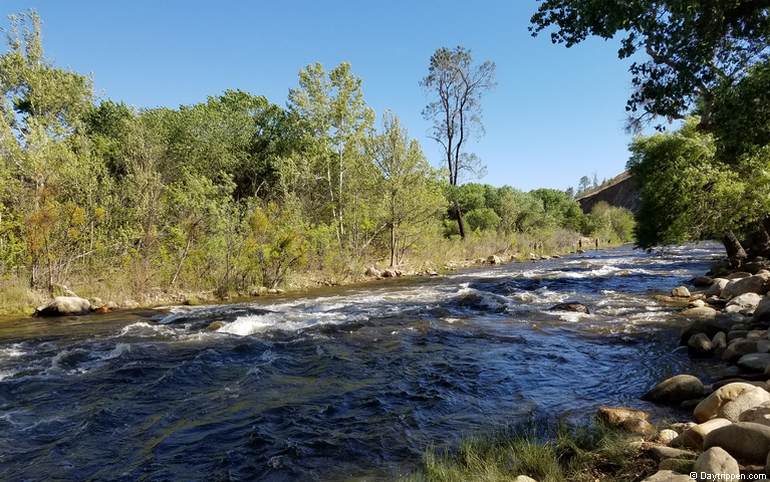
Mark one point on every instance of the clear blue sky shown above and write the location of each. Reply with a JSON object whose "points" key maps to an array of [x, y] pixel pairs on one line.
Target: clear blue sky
{"points": [[556, 114]]}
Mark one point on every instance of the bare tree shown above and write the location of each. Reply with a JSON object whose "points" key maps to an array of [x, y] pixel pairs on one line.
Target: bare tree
{"points": [[455, 86]]}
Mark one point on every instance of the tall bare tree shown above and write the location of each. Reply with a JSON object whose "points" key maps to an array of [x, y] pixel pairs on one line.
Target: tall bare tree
{"points": [[455, 86]]}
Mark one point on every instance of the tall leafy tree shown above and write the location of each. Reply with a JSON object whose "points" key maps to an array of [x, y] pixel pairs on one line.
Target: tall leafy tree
{"points": [[456, 86]]}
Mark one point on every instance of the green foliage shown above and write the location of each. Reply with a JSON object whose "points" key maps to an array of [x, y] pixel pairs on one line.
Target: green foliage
{"points": [[688, 194], [482, 219], [611, 223]]}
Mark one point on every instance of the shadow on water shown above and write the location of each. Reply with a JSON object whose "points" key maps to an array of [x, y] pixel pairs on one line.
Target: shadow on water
{"points": [[356, 382]]}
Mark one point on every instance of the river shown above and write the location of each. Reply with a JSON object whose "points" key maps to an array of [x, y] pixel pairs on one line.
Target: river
{"points": [[345, 383]]}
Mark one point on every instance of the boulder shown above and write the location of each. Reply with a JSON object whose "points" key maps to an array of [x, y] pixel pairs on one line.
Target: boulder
{"points": [[738, 275], [762, 311], [628, 419], [743, 346], [696, 304], [666, 436], [64, 306], [757, 283], [754, 362], [702, 281], [716, 287], [675, 390], [747, 442], [574, 306], [709, 327], [716, 462], [662, 452], [693, 437], [700, 312], [680, 292], [523, 478], [759, 414], [699, 345], [719, 342], [667, 476], [389, 273], [730, 401], [747, 302], [493, 259]]}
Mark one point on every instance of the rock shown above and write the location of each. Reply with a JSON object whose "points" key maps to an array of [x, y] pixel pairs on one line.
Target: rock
{"points": [[730, 401], [629, 419], [756, 335], [738, 275], [389, 273], [719, 342], [762, 311], [665, 436], [675, 390], [743, 346], [709, 327], [716, 462], [662, 452], [747, 442], [574, 306], [702, 281], [700, 312], [523, 478], [757, 283], [734, 334], [696, 304], [667, 476], [493, 259], [699, 345], [746, 302], [671, 300], [716, 302], [759, 414], [373, 272], [693, 437], [64, 306], [680, 466], [754, 362], [680, 292], [130, 304], [716, 287], [215, 325]]}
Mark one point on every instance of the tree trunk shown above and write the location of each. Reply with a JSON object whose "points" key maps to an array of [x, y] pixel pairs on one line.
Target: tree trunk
{"points": [[460, 222], [735, 252], [392, 245]]}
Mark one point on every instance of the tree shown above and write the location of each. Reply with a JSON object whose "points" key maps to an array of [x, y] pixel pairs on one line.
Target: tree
{"points": [[692, 47], [456, 87], [412, 197]]}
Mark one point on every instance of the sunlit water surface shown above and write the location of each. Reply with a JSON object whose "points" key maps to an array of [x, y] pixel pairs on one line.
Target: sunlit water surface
{"points": [[346, 384]]}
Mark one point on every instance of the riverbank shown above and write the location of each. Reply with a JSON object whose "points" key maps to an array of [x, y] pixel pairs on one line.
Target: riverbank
{"points": [[726, 314], [111, 293]]}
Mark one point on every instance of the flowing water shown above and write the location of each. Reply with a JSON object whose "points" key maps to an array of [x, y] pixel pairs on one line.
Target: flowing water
{"points": [[353, 383]]}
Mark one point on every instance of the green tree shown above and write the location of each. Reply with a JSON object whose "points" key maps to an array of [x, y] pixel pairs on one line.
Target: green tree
{"points": [[456, 87]]}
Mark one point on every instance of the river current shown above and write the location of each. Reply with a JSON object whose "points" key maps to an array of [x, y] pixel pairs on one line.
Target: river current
{"points": [[341, 384]]}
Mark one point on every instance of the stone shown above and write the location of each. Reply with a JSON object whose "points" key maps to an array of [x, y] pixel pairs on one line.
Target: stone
{"points": [[716, 287], [574, 306], [680, 292], [743, 346], [675, 390], [667, 476], [716, 462], [700, 312], [662, 452], [709, 327], [693, 437], [680, 466], [730, 401], [719, 342], [759, 414], [628, 419], [738, 275], [696, 304], [747, 442], [699, 345], [746, 302], [215, 325], [757, 283], [389, 273], [493, 259], [754, 362], [702, 281], [64, 306], [523, 478], [762, 311], [666, 436]]}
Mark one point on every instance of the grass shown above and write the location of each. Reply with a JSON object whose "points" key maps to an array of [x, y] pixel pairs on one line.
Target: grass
{"points": [[559, 454]]}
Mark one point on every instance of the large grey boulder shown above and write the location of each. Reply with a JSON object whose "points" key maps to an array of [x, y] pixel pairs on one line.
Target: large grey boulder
{"points": [[754, 362], [680, 292], [65, 306], [747, 442], [716, 287], [693, 437], [743, 346], [716, 462], [729, 401], [746, 303], [762, 311], [757, 283], [700, 312], [759, 414], [676, 390]]}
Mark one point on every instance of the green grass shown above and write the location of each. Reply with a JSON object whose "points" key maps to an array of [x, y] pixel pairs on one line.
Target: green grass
{"points": [[547, 454]]}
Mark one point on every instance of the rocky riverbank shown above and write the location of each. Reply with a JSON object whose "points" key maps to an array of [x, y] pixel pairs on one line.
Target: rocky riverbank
{"points": [[728, 434]]}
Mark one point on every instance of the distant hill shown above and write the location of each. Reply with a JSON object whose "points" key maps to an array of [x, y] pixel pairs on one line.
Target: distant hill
{"points": [[620, 191]]}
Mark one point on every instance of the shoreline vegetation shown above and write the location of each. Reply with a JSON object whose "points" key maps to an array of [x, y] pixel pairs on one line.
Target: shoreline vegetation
{"points": [[237, 196]]}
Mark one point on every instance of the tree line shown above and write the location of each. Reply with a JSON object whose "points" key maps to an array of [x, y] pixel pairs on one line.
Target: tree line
{"points": [[236, 191]]}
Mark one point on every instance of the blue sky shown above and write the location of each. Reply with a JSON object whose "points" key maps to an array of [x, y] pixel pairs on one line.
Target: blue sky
{"points": [[556, 114]]}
